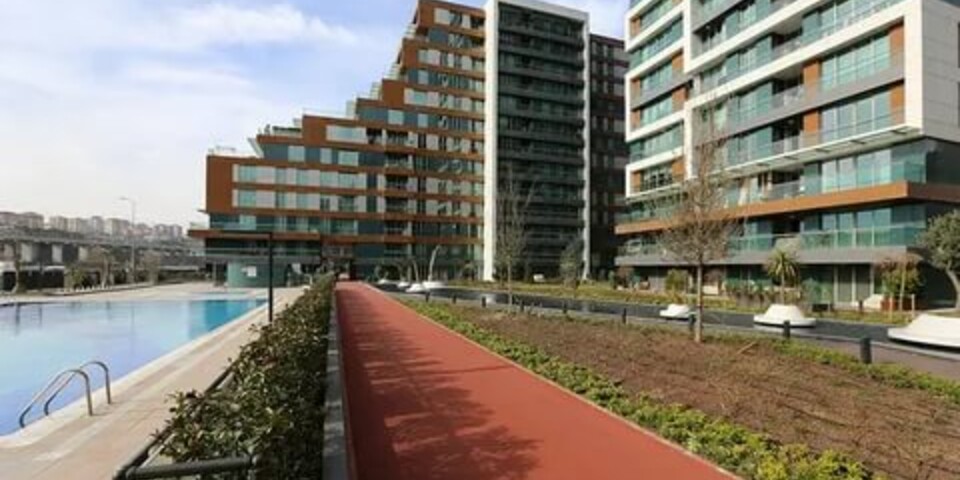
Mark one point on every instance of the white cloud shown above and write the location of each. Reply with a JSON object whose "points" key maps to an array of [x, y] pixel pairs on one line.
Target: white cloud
{"points": [[124, 97], [218, 24], [167, 75], [129, 25]]}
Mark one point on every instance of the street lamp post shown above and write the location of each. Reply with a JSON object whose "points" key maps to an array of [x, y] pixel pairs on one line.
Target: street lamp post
{"points": [[133, 237], [270, 276]]}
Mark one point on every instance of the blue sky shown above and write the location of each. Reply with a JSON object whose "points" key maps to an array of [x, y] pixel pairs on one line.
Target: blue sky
{"points": [[105, 98]]}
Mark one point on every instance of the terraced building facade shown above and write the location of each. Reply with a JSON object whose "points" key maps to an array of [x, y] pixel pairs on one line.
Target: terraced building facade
{"points": [[403, 179], [840, 121]]}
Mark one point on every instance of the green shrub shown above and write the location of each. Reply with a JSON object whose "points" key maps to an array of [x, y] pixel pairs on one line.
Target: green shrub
{"points": [[676, 284], [746, 453], [272, 407]]}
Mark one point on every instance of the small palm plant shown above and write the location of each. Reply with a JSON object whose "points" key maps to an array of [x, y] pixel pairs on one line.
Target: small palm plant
{"points": [[785, 267]]}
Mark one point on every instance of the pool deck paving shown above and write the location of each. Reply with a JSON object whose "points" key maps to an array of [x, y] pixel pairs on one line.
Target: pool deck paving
{"points": [[70, 445], [426, 403]]}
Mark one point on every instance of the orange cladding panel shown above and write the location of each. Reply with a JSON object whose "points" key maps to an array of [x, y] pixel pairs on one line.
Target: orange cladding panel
{"points": [[219, 185]]}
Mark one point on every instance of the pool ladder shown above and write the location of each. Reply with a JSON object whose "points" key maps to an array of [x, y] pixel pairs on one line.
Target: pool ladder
{"points": [[60, 381]]}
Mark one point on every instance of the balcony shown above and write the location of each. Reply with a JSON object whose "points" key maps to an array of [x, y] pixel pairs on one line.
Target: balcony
{"points": [[702, 46], [401, 209], [401, 186], [798, 149], [806, 38], [287, 132], [869, 75], [655, 184], [894, 236], [855, 246]]}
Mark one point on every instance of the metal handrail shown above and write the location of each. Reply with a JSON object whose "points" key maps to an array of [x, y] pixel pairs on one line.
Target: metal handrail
{"points": [[59, 382], [106, 383]]}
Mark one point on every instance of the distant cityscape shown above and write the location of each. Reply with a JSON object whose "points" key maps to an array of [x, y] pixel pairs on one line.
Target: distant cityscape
{"points": [[95, 226]]}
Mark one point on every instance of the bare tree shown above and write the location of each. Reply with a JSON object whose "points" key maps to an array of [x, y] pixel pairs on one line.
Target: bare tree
{"points": [[700, 228], [571, 263], [512, 231], [14, 257], [151, 262], [102, 259]]}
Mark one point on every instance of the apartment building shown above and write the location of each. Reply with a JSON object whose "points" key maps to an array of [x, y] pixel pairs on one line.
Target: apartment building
{"points": [[608, 151], [24, 220], [839, 122], [410, 176]]}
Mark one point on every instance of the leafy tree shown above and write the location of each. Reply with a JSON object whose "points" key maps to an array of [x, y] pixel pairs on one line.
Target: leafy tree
{"points": [[784, 266], [700, 227], [900, 277], [571, 263], [74, 277], [676, 284], [941, 241]]}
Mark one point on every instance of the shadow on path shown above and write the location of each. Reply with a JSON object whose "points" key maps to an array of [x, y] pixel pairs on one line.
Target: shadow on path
{"points": [[410, 415]]}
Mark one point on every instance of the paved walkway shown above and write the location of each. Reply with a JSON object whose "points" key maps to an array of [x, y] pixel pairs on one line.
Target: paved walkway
{"points": [[426, 404]]}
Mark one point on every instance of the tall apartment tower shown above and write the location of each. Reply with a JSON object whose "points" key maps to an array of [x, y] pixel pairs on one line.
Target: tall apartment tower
{"points": [[608, 151], [840, 121], [538, 134], [407, 178]]}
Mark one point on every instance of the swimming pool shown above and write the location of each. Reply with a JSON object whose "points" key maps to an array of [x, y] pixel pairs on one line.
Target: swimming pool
{"points": [[38, 340]]}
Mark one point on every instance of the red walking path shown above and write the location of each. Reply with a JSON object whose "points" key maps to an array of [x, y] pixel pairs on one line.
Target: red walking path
{"points": [[425, 403]]}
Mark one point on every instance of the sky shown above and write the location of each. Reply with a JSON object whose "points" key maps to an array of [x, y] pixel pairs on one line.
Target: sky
{"points": [[107, 98]]}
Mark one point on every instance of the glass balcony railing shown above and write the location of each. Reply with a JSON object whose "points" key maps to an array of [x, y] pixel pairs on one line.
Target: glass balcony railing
{"points": [[807, 37], [893, 236], [785, 98], [728, 33], [709, 8], [789, 144], [652, 15], [643, 215], [746, 113], [640, 250]]}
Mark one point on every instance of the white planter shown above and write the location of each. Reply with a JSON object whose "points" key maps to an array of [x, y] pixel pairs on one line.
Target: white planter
{"points": [[676, 311], [778, 315], [928, 329]]}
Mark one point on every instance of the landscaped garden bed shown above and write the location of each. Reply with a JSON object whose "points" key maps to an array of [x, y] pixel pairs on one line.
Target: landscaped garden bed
{"points": [[604, 292], [761, 408]]}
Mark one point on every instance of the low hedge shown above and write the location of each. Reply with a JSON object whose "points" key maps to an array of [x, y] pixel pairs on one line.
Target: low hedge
{"points": [[272, 407], [746, 453]]}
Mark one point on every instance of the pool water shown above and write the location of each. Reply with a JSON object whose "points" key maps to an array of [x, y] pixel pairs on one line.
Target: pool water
{"points": [[38, 340]]}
